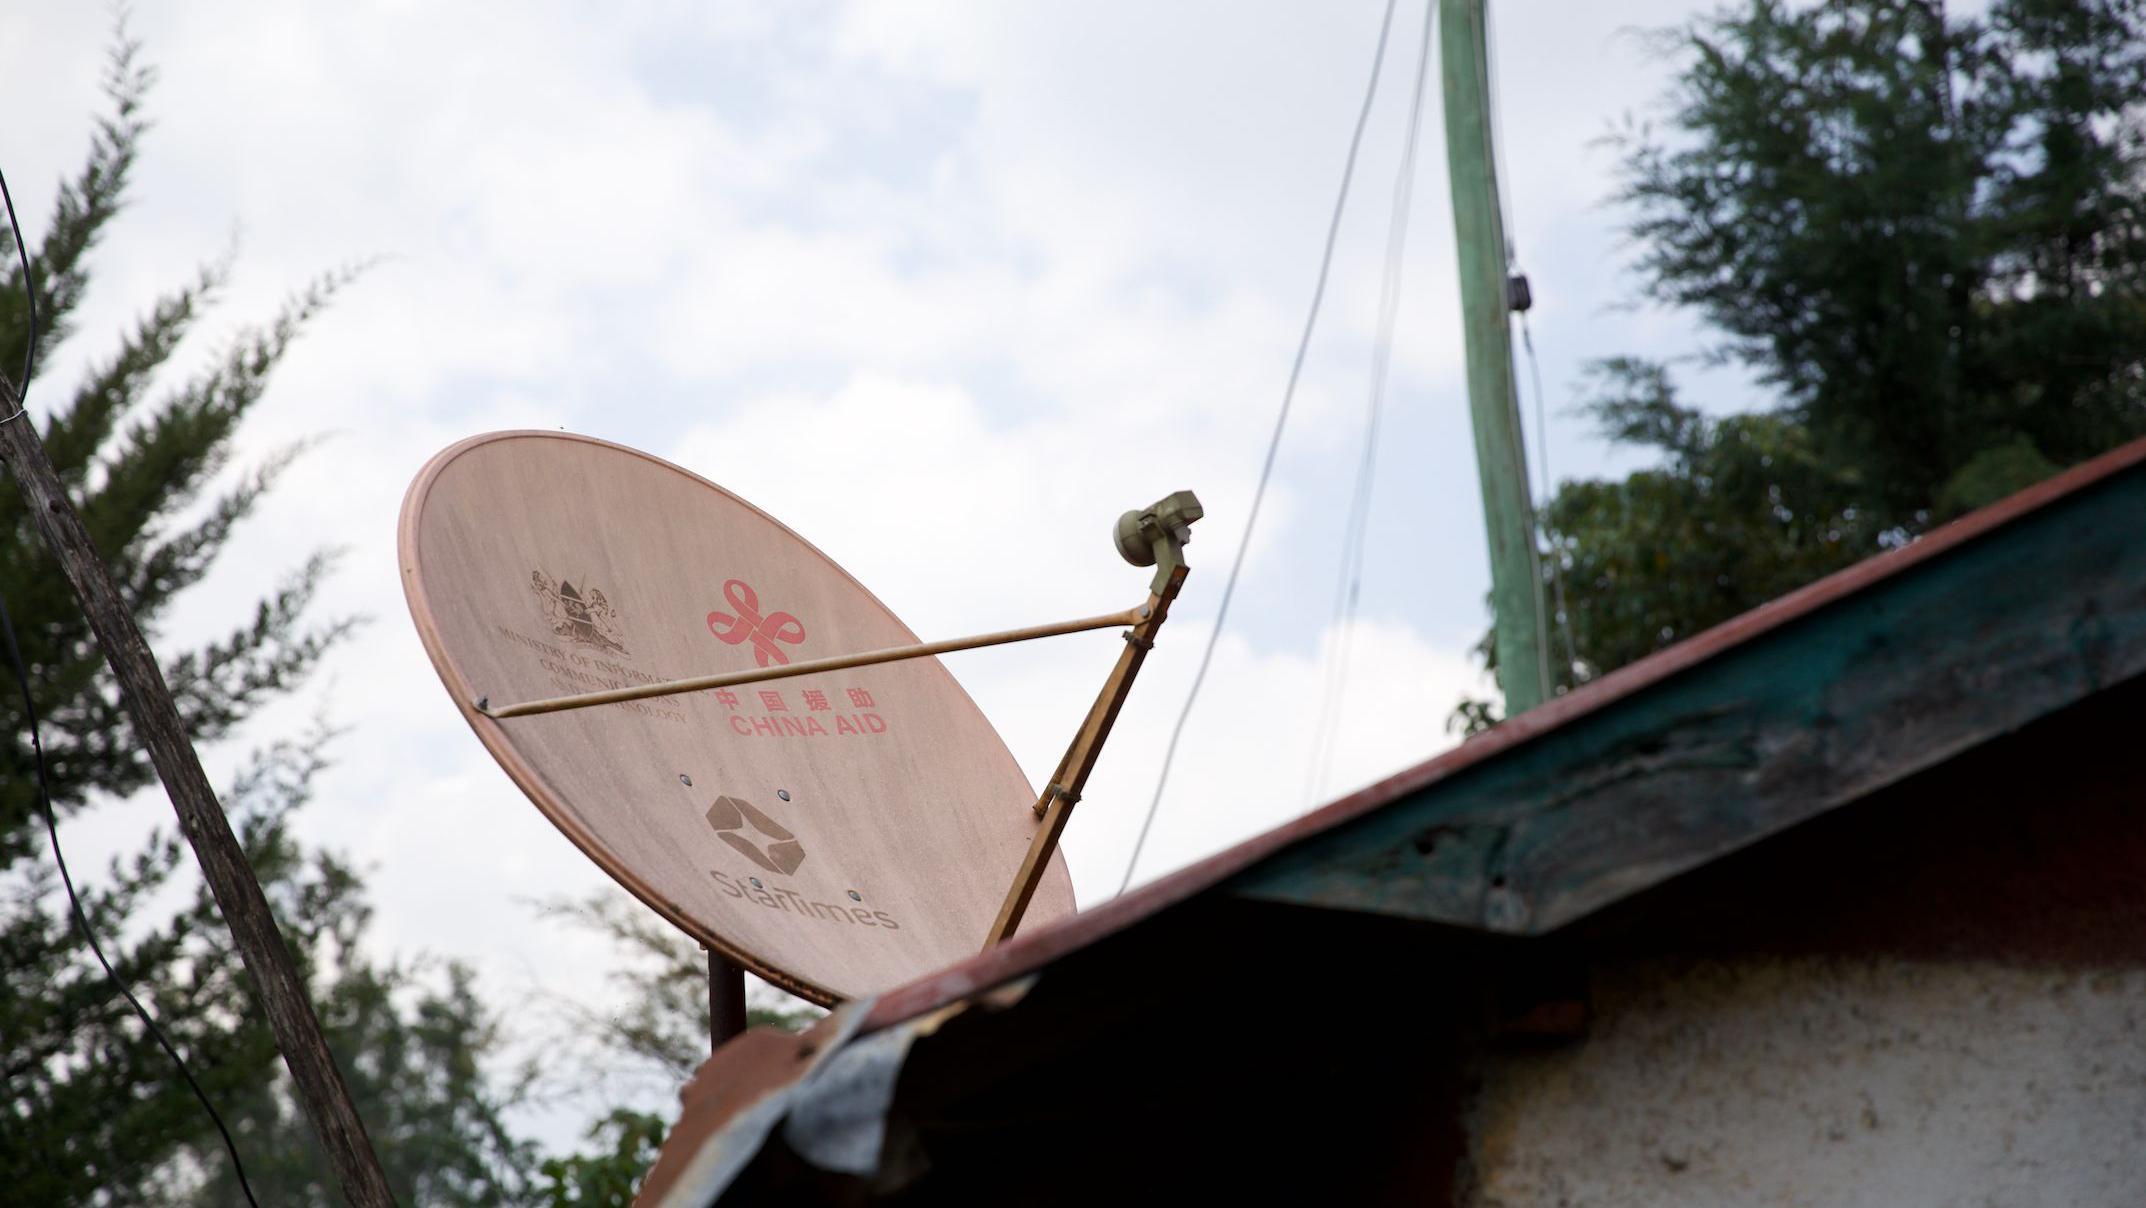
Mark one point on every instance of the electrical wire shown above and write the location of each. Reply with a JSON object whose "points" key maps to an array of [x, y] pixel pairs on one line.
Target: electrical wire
{"points": [[37, 748], [29, 294], [1326, 731], [1274, 444], [1542, 460], [1487, 70]]}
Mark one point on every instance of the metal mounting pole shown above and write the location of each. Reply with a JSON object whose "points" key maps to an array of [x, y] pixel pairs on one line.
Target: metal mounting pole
{"points": [[726, 999], [1156, 537], [1062, 792], [838, 662]]}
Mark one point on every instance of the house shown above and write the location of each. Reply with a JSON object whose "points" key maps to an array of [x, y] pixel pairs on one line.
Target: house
{"points": [[1841, 902]]}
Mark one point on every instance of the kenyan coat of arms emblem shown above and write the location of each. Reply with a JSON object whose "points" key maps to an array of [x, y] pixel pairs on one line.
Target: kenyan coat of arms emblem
{"points": [[581, 615]]}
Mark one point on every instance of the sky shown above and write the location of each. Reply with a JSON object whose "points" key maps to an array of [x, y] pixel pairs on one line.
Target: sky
{"points": [[871, 266]]}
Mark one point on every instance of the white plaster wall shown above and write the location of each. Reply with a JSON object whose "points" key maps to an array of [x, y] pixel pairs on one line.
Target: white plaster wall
{"points": [[1828, 1081]]}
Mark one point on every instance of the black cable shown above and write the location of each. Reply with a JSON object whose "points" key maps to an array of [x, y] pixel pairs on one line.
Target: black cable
{"points": [[1274, 443], [29, 294], [37, 747]]}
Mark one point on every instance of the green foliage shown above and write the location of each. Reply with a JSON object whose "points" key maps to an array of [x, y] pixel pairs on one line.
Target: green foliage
{"points": [[138, 467], [659, 1035], [91, 1110], [1742, 509], [94, 1110], [1925, 235], [1928, 234], [1991, 475], [412, 1042], [90, 1103], [608, 1177], [654, 1040]]}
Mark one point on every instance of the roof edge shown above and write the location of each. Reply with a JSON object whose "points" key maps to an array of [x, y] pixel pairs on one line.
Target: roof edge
{"points": [[1026, 952]]}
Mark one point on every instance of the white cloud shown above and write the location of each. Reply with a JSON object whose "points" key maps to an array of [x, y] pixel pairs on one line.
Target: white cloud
{"points": [[944, 287]]}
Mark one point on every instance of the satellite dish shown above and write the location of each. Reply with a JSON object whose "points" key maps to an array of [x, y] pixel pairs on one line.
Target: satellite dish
{"points": [[838, 833]]}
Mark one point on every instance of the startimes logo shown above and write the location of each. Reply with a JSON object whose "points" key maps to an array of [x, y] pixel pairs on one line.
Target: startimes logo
{"points": [[789, 901]]}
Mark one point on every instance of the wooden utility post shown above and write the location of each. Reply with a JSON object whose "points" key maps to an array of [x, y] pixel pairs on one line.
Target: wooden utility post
{"points": [[1493, 404], [148, 702]]}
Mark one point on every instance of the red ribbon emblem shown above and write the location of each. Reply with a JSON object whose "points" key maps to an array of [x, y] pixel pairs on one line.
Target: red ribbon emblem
{"points": [[749, 626]]}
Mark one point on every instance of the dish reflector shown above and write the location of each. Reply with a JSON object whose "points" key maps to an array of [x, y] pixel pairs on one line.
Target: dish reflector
{"points": [[838, 834]]}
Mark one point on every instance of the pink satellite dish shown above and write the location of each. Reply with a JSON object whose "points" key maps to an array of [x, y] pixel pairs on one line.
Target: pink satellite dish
{"points": [[838, 833]]}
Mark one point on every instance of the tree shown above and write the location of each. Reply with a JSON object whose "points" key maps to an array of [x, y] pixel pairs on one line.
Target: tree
{"points": [[653, 1040], [91, 1111], [607, 1177], [658, 1035], [95, 1112], [138, 491], [1924, 234]]}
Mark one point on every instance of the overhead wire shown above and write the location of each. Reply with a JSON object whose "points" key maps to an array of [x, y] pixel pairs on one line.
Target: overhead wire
{"points": [[1542, 461], [1487, 68], [1349, 589], [29, 298], [1274, 444], [37, 745]]}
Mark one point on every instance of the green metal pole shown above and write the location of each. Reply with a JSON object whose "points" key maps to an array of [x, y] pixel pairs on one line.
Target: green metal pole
{"points": [[1493, 404]]}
